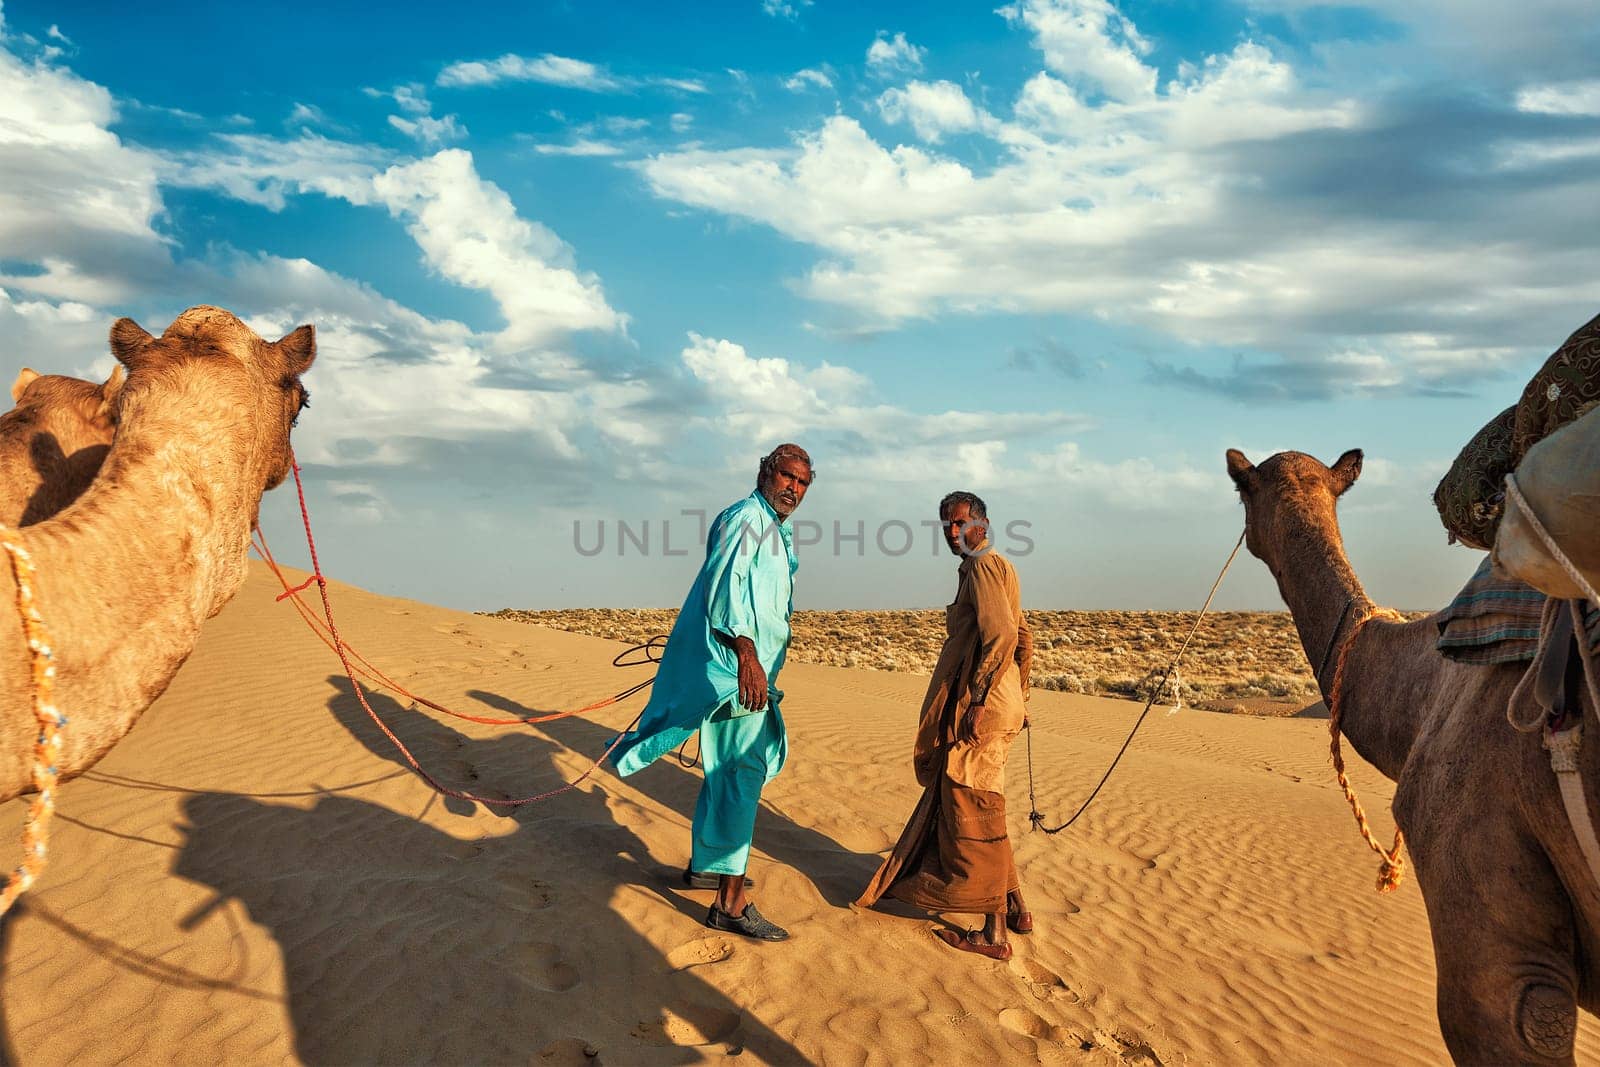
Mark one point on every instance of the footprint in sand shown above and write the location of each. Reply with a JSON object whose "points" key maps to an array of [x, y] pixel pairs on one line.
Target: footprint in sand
{"points": [[1024, 1022], [515, 890], [569, 1052], [1112, 856], [1043, 983], [539, 964], [689, 1024], [699, 953], [1128, 1047]]}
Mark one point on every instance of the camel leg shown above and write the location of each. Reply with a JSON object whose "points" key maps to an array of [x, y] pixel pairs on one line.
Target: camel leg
{"points": [[1503, 941]]}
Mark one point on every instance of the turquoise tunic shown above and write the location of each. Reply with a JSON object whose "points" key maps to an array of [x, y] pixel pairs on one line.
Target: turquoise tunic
{"points": [[745, 588]]}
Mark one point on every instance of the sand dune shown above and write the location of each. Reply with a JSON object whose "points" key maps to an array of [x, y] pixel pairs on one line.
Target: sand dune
{"points": [[252, 877]]}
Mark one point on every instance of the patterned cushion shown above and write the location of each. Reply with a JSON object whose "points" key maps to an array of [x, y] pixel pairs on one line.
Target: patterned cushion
{"points": [[1568, 385], [1470, 498]]}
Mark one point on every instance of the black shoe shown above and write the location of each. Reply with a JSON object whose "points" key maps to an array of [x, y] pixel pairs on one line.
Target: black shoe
{"points": [[702, 880], [751, 924]]}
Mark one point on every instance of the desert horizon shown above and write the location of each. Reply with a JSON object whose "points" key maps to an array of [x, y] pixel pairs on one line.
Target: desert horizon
{"points": [[1244, 661]]}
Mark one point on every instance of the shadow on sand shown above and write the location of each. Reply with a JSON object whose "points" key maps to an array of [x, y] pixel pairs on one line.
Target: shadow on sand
{"points": [[404, 943], [838, 873]]}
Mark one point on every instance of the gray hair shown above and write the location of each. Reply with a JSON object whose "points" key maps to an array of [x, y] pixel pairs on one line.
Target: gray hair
{"points": [[769, 462], [973, 502]]}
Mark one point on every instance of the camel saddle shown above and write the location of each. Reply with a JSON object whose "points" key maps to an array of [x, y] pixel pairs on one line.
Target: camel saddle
{"points": [[1496, 619], [1470, 497]]}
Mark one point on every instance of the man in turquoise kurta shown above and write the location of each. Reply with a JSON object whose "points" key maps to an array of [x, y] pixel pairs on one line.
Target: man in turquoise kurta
{"points": [[719, 676]]}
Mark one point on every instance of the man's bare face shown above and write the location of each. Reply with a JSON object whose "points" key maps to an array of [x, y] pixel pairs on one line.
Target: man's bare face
{"points": [[786, 486], [960, 526]]}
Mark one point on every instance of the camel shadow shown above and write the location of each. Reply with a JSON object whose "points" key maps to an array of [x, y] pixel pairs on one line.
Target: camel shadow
{"points": [[403, 943], [838, 873]]}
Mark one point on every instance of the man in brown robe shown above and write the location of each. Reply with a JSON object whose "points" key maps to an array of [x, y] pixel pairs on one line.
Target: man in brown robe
{"points": [[954, 854]]}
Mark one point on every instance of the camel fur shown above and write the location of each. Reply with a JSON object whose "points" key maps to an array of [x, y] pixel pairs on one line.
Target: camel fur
{"points": [[1512, 908], [53, 442], [158, 543]]}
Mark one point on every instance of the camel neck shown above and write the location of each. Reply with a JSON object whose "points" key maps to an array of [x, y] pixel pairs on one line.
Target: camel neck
{"points": [[1323, 594], [1328, 602]]}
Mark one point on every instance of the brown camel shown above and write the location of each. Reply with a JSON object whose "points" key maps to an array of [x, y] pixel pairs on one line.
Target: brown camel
{"points": [[53, 442], [158, 542], [1513, 909]]}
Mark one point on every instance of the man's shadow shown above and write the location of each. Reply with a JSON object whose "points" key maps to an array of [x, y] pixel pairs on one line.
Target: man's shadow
{"points": [[404, 943], [838, 873]]}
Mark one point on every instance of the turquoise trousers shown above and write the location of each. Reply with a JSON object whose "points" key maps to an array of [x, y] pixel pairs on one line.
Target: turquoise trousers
{"points": [[740, 753]]}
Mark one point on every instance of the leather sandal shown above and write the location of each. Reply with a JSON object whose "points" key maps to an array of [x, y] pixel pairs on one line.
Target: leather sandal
{"points": [[968, 941], [750, 923], [1019, 922]]}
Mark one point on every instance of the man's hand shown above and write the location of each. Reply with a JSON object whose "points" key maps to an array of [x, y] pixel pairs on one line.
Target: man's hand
{"points": [[967, 728], [752, 679]]}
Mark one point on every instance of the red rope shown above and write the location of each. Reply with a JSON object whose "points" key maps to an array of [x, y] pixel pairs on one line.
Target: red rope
{"points": [[377, 677], [350, 672]]}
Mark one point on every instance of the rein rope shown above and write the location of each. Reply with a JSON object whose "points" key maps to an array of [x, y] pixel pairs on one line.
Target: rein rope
{"points": [[344, 653], [1391, 866], [1035, 816], [47, 747]]}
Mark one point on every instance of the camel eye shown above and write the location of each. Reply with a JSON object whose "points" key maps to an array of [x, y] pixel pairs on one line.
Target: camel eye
{"points": [[305, 402]]}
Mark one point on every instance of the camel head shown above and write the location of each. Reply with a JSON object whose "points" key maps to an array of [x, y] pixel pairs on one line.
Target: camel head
{"points": [[81, 413], [1288, 496], [252, 385]]}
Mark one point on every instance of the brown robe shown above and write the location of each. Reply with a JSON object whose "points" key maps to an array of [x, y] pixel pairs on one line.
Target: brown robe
{"points": [[953, 854]]}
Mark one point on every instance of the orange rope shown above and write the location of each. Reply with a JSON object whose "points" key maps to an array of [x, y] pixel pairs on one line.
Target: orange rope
{"points": [[47, 747], [1392, 866], [341, 648], [377, 677]]}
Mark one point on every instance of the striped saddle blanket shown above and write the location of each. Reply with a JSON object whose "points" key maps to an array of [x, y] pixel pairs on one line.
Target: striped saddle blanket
{"points": [[1496, 620]]}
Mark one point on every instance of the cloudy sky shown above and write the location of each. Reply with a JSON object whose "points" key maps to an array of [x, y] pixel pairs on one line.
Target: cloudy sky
{"points": [[570, 271]]}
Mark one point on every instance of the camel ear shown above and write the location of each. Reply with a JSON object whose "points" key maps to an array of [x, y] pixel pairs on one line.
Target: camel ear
{"points": [[109, 393], [299, 349], [1346, 469], [128, 339], [1240, 469], [24, 379]]}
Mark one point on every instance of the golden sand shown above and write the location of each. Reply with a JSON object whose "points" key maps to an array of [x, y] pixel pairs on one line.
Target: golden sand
{"points": [[251, 877]]}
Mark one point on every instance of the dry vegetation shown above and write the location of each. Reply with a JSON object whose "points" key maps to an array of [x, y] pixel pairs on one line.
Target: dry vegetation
{"points": [[1239, 660]]}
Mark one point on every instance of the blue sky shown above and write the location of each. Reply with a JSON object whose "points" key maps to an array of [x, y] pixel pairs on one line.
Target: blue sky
{"points": [[572, 267]]}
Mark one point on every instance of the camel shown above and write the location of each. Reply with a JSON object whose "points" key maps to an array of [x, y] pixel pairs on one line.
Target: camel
{"points": [[53, 442], [1512, 908], [158, 543]]}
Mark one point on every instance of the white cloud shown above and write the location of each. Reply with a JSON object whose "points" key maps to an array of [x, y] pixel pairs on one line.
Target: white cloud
{"points": [[1569, 98], [933, 109], [547, 69], [685, 85], [419, 122], [1088, 42], [888, 57], [1222, 208], [429, 131], [471, 233], [802, 80], [681, 121], [74, 198], [266, 170], [774, 398], [581, 147], [788, 9], [307, 115]]}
